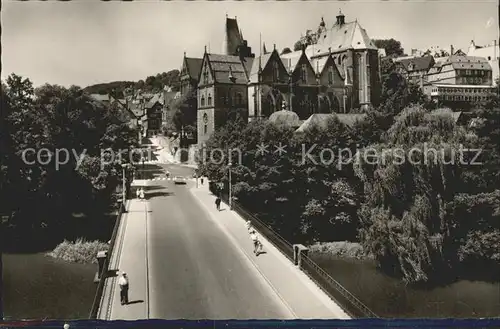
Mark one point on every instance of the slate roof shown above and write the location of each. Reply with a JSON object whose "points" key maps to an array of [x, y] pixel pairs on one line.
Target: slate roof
{"points": [[157, 98], [419, 63], [320, 120], [194, 67], [318, 64], [464, 62], [254, 71], [290, 60], [222, 65], [339, 37]]}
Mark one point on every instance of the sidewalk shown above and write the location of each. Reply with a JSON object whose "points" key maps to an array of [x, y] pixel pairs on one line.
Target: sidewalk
{"points": [[298, 292], [129, 255]]}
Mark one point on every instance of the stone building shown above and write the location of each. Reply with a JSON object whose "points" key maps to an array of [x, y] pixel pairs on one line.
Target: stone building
{"points": [[337, 74]]}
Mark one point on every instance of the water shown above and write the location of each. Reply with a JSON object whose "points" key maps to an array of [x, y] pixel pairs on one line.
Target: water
{"points": [[37, 287], [390, 298]]}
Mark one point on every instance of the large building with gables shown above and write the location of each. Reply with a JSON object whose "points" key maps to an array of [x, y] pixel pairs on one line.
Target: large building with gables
{"points": [[337, 74]]}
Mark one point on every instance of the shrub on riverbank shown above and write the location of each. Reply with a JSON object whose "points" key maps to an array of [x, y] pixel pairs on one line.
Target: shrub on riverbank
{"points": [[79, 251], [342, 249]]}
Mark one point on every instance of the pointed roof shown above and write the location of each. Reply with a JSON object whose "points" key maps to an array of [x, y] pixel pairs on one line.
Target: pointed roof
{"points": [[291, 60], [253, 76], [232, 37], [193, 66], [340, 37]]}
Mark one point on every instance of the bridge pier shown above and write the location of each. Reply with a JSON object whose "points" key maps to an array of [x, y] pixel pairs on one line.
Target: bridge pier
{"points": [[299, 250]]}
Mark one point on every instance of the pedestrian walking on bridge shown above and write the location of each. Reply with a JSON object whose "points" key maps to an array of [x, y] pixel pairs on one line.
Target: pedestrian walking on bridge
{"points": [[123, 283], [217, 203]]}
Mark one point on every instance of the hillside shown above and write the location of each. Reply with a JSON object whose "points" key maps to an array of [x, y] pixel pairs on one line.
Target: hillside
{"points": [[150, 84]]}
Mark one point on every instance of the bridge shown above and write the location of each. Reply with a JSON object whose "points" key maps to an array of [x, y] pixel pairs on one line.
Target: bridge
{"points": [[187, 260]]}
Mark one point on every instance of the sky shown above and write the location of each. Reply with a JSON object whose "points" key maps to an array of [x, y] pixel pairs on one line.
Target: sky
{"points": [[84, 42]]}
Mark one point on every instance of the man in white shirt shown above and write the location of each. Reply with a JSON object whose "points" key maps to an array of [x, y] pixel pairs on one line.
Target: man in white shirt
{"points": [[123, 283], [257, 245]]}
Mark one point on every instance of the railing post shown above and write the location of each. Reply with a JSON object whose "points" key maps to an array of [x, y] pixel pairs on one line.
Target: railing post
{"points": [[101, 260], [299, 250]]}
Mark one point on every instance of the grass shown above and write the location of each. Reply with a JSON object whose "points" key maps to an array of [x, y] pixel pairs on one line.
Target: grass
{"points": [[341, 249], [79, 251]]}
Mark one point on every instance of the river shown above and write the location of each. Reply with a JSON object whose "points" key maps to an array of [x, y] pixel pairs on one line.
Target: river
{"points": [[390, 298], [41, 287]]}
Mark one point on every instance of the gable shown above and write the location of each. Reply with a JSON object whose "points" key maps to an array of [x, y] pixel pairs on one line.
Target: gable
{"points": [[325, 71], [268, 68], [206, 71], [297, 73]]}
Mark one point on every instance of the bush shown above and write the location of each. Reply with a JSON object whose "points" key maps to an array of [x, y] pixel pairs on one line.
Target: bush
{"points": [[344, 249], [80, 251]]}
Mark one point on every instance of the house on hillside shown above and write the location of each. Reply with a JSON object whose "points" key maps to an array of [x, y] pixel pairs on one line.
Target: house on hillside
{"points": [[414, 69], [124, 114]]}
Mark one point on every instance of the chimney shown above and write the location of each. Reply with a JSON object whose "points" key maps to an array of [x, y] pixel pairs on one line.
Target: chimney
{"points": [[451, 50], [340, 18]]}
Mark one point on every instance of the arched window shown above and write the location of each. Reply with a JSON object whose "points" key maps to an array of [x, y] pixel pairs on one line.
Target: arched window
{"points": [[339, 60], [330, 76], [202, 100], [205, 123], [209, 99]]}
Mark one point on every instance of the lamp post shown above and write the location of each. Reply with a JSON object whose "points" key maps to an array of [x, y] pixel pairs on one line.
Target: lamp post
{"points": [[124, 194], [230, 186]]}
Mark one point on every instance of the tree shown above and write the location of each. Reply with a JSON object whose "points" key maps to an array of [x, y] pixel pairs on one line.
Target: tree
{"points": [[286, 50], [392, 47]]}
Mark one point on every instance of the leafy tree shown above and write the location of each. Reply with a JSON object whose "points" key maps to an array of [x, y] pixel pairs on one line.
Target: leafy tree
{"points": [[392, 47], [286, 50]]}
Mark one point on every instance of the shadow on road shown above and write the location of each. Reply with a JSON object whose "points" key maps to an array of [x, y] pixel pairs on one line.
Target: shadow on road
{"points": [[135, 302], [153, 188], [158, 194]]}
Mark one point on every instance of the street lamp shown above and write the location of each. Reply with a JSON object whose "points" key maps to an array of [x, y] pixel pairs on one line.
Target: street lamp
{"points": [[124, 195], [230, 186]]}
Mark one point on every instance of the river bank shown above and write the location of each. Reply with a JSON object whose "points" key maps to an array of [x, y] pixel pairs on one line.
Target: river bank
{"points": [[37, 286], [390, 298]]}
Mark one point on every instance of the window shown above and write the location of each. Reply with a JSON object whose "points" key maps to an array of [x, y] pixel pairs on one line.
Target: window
{"points": [[205, 123], [304, 73], [205, 74], [330, 76], [239, 99], [202, 100], [209, 99], [205, 128], [276, 72]]}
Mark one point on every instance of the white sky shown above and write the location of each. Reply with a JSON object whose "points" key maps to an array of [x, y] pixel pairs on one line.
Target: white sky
{"points": [[85, 42]]}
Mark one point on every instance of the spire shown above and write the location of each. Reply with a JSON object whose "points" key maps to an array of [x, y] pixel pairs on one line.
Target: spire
{"points": [[330, 51], [264, 50], [205, 49], [184, 54], [274, 46], [261, 51]]}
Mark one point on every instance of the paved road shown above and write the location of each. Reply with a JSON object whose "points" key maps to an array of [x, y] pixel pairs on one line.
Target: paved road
{"points": [[194, 270]]}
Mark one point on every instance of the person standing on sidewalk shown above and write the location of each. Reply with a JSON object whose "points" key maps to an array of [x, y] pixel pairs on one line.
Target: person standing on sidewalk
{"points": [[123, 283], [138, 193], [202, 180], [217, 203]]}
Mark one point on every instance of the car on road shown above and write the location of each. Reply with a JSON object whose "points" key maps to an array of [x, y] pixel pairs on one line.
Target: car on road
{"points": [[180, 180]]}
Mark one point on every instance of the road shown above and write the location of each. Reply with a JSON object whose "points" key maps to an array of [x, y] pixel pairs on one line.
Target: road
{"points": [[194, 270]]}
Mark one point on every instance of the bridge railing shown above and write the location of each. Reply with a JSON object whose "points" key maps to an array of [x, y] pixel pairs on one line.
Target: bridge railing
{"points": [[104, 272], [351, 305]]}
